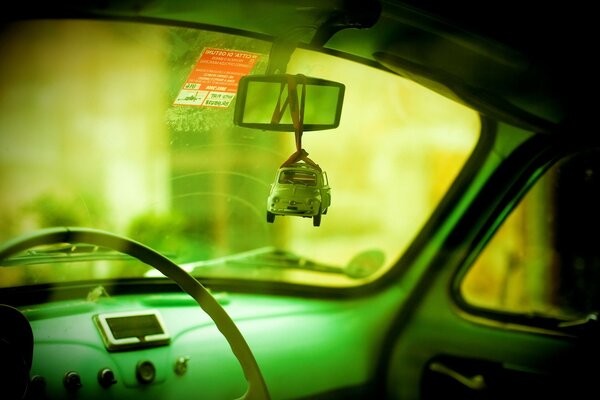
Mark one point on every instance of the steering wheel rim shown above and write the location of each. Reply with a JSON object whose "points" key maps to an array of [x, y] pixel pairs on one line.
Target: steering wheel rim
{"points": [[257, 388]]}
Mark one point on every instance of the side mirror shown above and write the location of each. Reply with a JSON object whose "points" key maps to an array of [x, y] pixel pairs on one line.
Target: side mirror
{"points": [[262, 101]]}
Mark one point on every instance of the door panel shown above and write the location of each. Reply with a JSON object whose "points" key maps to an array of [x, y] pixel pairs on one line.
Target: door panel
{"points": [[469, 378], [522, 321]]}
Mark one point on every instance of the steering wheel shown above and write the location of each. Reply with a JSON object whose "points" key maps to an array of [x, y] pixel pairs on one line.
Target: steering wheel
{"points": [[257, 389]]}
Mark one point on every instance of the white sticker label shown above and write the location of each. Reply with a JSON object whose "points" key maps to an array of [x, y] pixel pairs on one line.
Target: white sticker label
{"points": [[191, 97]]}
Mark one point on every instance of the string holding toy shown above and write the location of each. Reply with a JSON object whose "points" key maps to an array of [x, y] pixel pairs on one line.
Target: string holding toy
{"points": [[301, 187], [297, 113]]}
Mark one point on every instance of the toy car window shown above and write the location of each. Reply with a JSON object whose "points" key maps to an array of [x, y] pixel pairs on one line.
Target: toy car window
{"points": [[304, 178]]}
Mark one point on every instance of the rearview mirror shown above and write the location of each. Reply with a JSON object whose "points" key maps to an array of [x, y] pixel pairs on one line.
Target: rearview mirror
{"points": [[263, 100]]}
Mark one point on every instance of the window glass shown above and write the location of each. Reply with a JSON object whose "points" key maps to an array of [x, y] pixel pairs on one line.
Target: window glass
{"points": [[129, 128], [545, 258]]}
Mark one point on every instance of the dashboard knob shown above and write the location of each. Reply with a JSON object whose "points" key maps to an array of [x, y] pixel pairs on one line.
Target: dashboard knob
{"points": [[37, 386], [106, 377], [72, 381], [181, 365], [145, 371]]}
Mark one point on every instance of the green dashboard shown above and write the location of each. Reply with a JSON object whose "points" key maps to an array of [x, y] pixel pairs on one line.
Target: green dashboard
{"points": [[71, 359]]}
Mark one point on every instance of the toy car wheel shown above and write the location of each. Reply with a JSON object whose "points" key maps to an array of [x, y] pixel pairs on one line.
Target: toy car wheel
{"points": [[317, 220], [270, 217]]}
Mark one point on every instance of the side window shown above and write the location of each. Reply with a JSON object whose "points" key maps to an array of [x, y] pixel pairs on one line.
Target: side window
{"points": [[545, 258]]}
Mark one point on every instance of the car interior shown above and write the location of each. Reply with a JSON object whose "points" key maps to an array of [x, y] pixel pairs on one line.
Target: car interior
{"points": [[139, 143]]}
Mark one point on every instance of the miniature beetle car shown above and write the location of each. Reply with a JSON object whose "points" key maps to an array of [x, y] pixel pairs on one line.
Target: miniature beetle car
{"points": [[299, 189]]}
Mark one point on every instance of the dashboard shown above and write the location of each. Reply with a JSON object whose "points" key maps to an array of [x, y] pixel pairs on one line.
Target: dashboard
{"points": [[304, 346]]}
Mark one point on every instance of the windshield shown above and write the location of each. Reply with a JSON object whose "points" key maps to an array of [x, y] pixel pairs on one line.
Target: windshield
{"points": [[129, 128]]}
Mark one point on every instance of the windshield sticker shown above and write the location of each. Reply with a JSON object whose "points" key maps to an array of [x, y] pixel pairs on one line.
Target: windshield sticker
{"points": [[214, 80]]}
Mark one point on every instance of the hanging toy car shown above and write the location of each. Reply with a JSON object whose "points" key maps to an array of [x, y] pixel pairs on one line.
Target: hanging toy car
{"points": [[299, 189]]}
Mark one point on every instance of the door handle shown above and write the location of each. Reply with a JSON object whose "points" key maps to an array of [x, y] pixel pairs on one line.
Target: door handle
{"points": [[590, 319], [475, 382]]}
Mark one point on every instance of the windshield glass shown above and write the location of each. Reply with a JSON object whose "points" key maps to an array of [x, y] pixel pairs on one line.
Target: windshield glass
{"points": [[128, 127]]}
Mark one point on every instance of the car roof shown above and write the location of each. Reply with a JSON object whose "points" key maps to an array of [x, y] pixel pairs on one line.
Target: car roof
{"points": [[504, 59]]}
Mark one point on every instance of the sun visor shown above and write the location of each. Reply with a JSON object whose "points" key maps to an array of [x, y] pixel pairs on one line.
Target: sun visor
{"points": [[458, 89]]}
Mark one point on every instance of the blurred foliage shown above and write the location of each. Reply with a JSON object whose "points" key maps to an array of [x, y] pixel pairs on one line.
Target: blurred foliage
{"points": [[176, 236], [53, 209]]}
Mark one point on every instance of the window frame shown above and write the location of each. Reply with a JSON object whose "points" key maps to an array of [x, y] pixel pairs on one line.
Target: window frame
{"points": [[528, 171]]}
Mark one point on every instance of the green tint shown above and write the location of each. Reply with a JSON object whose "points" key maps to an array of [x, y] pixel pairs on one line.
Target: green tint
{"points": [[336, 328], [497, 143], [268, 102], [543, 260], [262, 101], [321, 104], [90, 137]]}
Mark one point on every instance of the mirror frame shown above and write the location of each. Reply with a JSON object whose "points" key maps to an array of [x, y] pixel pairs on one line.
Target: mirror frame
{"points": [[242, 93]]}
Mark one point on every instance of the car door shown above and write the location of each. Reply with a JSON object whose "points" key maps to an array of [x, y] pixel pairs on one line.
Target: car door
{"points": [[508, 307]]}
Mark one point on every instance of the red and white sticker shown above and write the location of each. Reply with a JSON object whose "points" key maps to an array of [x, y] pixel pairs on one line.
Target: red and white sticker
{"points": [[214, 80]]}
